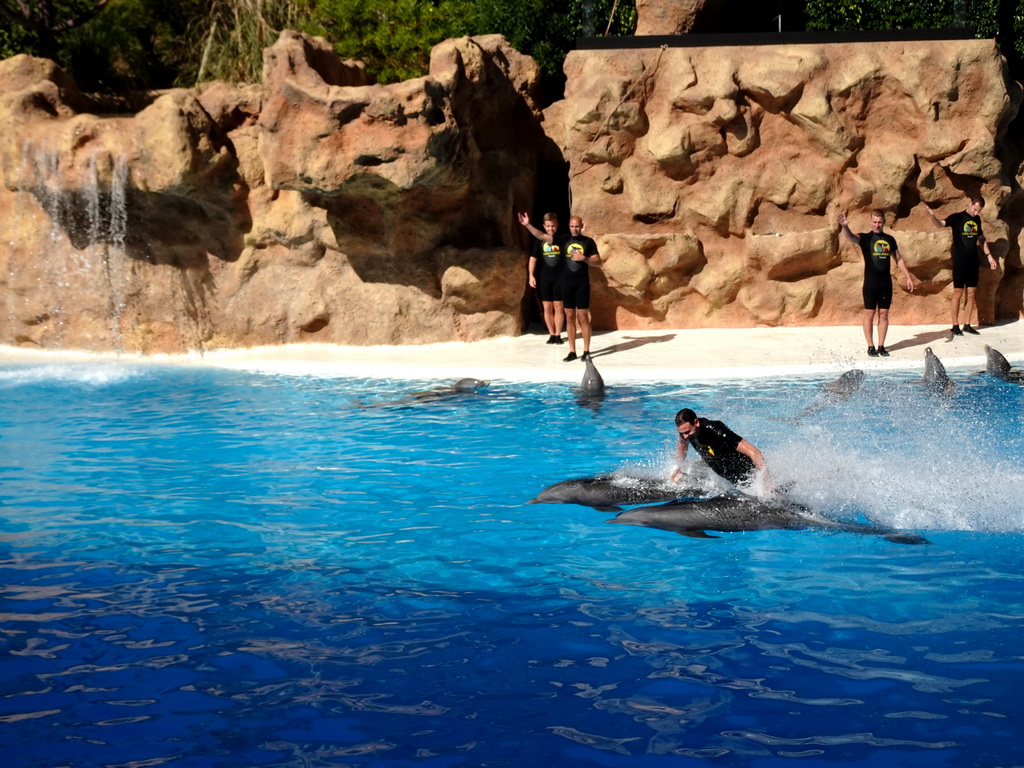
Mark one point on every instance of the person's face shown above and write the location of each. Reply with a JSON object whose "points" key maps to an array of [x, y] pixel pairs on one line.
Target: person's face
{"points": [[687, 428], [974, 208], [550, 227], [575, 226], [877, 222]]}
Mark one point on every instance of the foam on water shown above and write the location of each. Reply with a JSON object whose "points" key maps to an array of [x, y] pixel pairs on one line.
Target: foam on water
{"points": [[97, 374]]}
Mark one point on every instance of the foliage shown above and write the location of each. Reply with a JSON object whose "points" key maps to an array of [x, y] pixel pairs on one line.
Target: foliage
{"points": [[393, 37], [136, 45], [977, 15], [44, 21], [547, 29], [226, 42], [14, 39]]}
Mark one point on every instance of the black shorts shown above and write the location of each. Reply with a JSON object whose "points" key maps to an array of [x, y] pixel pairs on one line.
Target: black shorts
{"points": [[965, 273], [549, 285], [576, 294], [877, 293]]}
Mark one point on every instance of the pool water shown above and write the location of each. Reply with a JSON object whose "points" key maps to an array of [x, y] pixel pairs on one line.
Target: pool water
{"points": [[201, 567]]}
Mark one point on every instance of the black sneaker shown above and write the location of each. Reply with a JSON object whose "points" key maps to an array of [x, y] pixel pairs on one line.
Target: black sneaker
{"points": [[970, 330], [872, 352], [957, 331], [558, 340], [569, 358], [883, 352], [585, 356], [551, 339]]}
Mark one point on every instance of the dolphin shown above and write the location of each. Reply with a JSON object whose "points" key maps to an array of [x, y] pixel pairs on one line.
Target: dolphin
{"points": [[592, 382], [837, 391], [935, 378], [460, 387], [844, 387], [606, 492], [733, 512], [997, 365], [591, 391]]}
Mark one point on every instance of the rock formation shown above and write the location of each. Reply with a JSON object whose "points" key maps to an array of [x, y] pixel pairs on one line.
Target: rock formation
{"points": [[316, 206], [713, 177], [312, 207]]}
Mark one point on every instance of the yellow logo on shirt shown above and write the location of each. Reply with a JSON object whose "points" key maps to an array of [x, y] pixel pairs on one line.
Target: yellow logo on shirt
{"points": [[970, 229], [550, 248], [881, 248], [573, 249]]}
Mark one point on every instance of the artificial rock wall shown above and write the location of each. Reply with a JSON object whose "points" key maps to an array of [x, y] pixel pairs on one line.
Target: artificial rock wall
{"points": [[317, 207], [311, 207], [714, 177]]}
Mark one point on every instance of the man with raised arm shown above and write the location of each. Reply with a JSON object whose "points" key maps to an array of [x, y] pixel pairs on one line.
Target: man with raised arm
{"points": [[546, 273], [879, 251], [967, 238], [579, 252]]}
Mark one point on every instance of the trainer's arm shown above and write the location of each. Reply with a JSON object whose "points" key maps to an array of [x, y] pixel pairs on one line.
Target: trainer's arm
{"points": [[748, 449], [844, 227], [992, 264], [533, 277], [524, 219], [680, 457], [938, 222], [902, 264]]}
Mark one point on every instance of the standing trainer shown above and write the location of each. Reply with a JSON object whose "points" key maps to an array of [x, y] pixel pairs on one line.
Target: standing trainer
{"points": [[967, 237], [580, 252], [879, 250], [545, 272]]}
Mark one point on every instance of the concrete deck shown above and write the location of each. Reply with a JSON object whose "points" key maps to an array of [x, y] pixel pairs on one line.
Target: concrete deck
{"points": [[620, 356]]}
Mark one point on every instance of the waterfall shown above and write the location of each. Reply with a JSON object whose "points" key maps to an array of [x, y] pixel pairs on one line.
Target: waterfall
{"points": [[85, 257]]}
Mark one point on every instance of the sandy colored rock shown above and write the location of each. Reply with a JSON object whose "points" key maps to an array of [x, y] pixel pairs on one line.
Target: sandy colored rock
{"points": [[316, 206], [312, 207], [755, 151], [657, 17]]}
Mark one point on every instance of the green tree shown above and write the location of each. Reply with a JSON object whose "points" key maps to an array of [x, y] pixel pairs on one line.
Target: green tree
{"points": [[393, 37], [979, 16], [547, 29], [14, 39], [44, 21], [135, 45]]}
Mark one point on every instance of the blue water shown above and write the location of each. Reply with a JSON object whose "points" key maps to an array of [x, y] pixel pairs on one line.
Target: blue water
{"points": [[210, 568]]}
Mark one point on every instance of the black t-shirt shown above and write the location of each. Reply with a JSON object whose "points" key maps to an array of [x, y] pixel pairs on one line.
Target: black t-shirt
{"points": [[577, 244], [966, 231], [877, 251], [716, 444], [548, 255]]}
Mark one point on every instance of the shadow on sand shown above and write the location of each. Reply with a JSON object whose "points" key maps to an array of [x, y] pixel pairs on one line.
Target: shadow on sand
{"points": [[633, 343], [920, 340]]}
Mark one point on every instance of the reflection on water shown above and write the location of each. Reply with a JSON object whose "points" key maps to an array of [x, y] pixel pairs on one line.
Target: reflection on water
{"points": [[209, 568]]}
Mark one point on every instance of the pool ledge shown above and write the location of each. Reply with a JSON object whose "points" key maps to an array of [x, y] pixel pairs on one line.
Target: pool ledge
{"points": [[621, 356]]}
